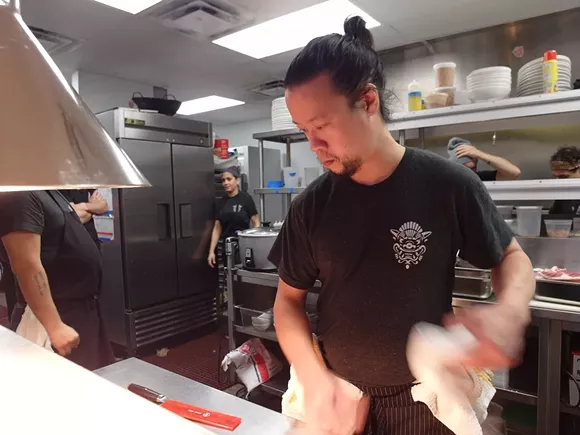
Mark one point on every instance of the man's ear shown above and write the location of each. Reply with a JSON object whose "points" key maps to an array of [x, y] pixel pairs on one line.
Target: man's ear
{"points": [[370, 100]]}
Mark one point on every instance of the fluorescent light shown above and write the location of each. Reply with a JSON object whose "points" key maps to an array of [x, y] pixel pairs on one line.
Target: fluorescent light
{"points": [[131, 6], [294, 30], [207, 104]]}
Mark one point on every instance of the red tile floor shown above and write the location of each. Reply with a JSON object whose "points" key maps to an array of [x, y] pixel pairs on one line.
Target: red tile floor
{"points": [[199, 359]]}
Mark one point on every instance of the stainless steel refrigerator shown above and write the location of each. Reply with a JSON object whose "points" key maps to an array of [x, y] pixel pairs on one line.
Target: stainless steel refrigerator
{"points": [[156, 281]]}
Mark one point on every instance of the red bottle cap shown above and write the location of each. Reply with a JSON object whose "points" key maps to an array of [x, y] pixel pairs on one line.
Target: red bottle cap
{"points": [[550, 55]]}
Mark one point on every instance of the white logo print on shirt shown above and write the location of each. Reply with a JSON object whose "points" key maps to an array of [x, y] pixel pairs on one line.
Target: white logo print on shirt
{"points": [[409, 246]]}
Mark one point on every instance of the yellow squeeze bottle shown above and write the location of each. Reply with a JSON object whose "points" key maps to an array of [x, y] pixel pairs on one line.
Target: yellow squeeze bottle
{"points": [[550, 72]]}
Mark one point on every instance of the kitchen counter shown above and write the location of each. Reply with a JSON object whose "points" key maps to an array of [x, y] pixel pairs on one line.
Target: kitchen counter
{"points": [[43, 393], [255, 419]]}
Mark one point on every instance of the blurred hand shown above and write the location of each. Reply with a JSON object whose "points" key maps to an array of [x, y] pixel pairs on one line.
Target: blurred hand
{"points": [[500, 329], [96, 197], [211, 259], [64, 339], [334, 406], [468, 151]]}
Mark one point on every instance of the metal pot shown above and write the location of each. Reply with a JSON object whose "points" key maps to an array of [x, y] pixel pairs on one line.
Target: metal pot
{"points": [[255, 246]]}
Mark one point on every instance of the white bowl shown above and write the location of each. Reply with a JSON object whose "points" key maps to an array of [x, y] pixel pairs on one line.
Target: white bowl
{"points": [[491, 93], [491, 70], [261, 328], [496, 83]]}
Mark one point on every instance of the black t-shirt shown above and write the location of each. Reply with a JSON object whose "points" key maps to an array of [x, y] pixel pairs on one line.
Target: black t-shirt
{"points": [[385, 255], [33, 212], [77, 197], [234, 213], [487, 175]]}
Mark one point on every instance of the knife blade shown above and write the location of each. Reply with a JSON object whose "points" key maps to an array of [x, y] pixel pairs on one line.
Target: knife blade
{"points": [[185, 410]]}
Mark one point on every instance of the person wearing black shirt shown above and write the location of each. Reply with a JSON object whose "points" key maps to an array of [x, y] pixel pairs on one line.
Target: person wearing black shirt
{"points": [[234, 212], [381, 231], [87, 203], [565, 163], [58, 270], [463, 152]]}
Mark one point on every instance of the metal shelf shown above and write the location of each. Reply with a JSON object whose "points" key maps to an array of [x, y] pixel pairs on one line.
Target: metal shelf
{"points": [[280, 190], [278, 384], [522, 190], [248, 330], [516, 396], [282, 136], [268, 279], [568, 410], [511, 108]]}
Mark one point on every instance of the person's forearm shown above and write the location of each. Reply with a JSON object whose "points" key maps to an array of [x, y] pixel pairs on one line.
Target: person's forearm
{"points": [[33, 284], [295, 337], [506, 170], [97, 207], [513, 280], [255, 221], [215, 236]]}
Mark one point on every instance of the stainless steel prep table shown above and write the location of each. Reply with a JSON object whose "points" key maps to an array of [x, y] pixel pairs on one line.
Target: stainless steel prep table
{"points": [[255, 418]]}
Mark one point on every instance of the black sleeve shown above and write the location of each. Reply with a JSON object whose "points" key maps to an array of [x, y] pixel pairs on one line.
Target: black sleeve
{"points": [[20, 211], [487, 175], [251, 206], [485, 234], [292, 252]]}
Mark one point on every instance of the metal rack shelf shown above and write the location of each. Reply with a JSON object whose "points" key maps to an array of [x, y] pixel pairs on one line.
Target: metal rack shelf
{"points": [[282, 136], [248, 330], [511, 108], [278, 384], [516, 396], [280, 190]]}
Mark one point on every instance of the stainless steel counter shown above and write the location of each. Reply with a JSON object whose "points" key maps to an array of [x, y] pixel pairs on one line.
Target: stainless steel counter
{"points": [[43, 393], [255, 419]]}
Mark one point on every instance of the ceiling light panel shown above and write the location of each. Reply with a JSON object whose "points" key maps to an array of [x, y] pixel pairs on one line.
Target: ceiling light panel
{"points": [[207, 104], [294, 30], [131, 6]]}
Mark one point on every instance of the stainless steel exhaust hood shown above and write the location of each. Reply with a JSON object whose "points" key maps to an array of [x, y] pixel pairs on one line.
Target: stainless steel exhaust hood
{"points": [[49, 139]]}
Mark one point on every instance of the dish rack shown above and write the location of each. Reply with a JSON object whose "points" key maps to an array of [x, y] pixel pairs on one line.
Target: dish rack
{"points": [[472, 283]]}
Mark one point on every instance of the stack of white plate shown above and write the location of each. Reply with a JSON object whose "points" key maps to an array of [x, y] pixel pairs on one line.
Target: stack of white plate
{"points": [[281, 119], [489, 84], [531, 76]]}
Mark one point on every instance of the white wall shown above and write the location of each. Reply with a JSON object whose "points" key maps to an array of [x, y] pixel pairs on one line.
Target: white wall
{"points": [[240, 134], [101, 92]]}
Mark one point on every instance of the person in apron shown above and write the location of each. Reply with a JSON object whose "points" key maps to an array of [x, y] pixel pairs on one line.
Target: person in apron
{"points": [[59, 272], [236, 211]]}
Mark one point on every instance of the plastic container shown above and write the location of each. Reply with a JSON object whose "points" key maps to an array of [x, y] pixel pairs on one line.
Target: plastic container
{"points": [[506, 211], [513, 224], [529, 221], [444, 74], [290, 177], [559, 228], [415, 96], [275, 184], [449, 91], [436, 100], [550, 72]]}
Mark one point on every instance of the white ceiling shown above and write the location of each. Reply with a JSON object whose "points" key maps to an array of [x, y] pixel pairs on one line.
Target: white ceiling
{"points": [[141, 49]]}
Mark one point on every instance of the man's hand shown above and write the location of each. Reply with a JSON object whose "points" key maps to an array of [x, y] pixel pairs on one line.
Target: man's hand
{"points": [[82, 211], [96, 197], [63, 338], [500, 329], [334, 406], [465, 150]]}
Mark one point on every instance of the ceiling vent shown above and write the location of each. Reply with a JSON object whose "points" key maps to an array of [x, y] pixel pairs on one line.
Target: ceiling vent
{"points": [[55, 43], [273, 88], [205, 19]]}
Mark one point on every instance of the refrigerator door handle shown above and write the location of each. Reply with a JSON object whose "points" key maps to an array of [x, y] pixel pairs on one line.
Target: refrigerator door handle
{"points": [[163, 221], [185, 224]]}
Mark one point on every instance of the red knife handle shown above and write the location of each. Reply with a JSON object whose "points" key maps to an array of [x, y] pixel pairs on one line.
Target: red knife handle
{"points": [[203, 416], [147, 393]]}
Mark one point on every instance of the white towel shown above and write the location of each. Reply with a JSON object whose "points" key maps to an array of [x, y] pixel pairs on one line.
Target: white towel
{"points": [[457, 397], [31, 329]]}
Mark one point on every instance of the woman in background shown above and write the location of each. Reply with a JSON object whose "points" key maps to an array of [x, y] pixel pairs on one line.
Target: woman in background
{"points": [[234, 212]]}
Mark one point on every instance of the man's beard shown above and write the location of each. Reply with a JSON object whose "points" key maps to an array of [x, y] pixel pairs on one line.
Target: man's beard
{"points": [[349, 167]]}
